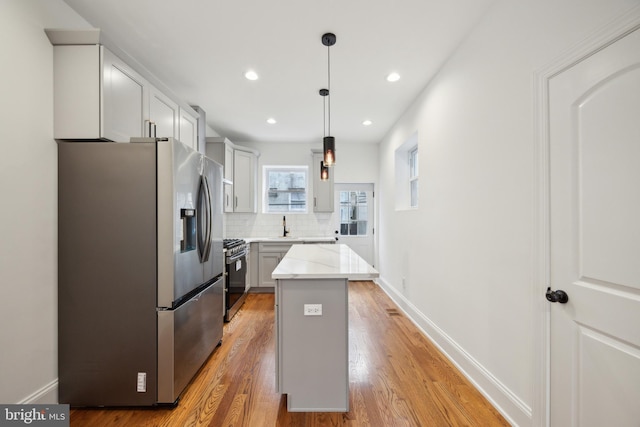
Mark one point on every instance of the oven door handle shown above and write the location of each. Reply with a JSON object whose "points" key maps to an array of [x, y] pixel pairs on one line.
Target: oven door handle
{"points": [[234, 258]]}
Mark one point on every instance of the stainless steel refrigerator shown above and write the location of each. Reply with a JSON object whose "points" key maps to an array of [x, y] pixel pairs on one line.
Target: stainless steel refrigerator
{"points": [[140, 263]]}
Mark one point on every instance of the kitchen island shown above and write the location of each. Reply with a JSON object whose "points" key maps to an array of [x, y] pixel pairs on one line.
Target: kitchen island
{"points": [[312, 331]]}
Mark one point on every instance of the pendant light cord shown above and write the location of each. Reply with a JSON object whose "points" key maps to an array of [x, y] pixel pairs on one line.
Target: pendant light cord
{"points": [[329, 84], [324, 116]]}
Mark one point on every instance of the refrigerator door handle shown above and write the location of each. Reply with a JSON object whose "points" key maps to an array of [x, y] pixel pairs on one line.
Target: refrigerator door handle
{"points": [[204, 230], [207, 193], [201, 242]]}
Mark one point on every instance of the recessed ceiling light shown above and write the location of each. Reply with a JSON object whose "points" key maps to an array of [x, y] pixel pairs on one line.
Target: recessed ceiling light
{"points": [[271, 121], [367, 123], [393, 77], [251, 75]]}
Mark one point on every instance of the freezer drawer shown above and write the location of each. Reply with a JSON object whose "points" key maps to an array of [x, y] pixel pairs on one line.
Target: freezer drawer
{"points": [[186, 337]]}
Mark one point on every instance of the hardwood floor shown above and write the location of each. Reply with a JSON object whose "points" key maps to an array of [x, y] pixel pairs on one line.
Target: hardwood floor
{"points": [[397, 377]]}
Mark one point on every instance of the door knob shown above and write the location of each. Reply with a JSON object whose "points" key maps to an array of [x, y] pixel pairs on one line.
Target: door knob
{"points": [[557, 296]]}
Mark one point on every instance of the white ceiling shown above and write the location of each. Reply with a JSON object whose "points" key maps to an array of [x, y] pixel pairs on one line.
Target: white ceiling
{"points": [[202, 48]]}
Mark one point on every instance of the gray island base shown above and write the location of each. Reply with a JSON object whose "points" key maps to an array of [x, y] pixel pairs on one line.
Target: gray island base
{"points": [[312, 332]]}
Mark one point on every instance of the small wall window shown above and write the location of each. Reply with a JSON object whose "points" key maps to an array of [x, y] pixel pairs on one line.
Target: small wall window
{"points": [[406, 175], [285, 189], [413, 176]]}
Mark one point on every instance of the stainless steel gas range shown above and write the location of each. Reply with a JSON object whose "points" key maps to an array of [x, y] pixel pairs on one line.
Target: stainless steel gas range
{"points": [[236, 274]]}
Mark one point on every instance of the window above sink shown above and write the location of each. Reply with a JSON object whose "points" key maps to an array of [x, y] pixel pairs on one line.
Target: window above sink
{"points": [[285, 189]]}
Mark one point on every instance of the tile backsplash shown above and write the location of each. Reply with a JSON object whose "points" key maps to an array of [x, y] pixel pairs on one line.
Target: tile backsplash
{"points": [[239, 225]]}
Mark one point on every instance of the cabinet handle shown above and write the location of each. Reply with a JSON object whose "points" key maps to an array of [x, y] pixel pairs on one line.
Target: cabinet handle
{"points": [[152, 129], [236, 202], [227, 203], [315, 203]]}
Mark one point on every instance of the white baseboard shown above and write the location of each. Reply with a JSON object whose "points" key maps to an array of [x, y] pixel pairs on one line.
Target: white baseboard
{"points": [[46, 395], [516, 412]]}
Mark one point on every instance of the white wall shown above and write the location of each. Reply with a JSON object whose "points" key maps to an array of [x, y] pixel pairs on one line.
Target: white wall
{"points": [[356, 163], [467, 253], [28, 185]]}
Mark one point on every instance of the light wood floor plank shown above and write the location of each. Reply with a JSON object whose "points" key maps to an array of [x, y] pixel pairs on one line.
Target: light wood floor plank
{"points": [[396, 378]]}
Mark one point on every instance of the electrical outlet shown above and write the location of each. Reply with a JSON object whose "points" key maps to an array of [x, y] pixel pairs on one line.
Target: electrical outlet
{"points": [[313, 309]]}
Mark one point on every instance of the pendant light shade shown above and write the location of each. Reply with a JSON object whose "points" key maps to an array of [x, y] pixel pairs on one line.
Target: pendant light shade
{"points": [[329, 149], [329, 142], [324, 171]]}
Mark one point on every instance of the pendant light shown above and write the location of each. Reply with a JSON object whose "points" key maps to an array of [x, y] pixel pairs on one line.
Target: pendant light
{"points": [[329, 142], [324, 170]]}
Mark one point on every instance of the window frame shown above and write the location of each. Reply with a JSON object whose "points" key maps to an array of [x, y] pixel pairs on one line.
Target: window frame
{"points": [[266, 190], [357, 209], [413, 158]]}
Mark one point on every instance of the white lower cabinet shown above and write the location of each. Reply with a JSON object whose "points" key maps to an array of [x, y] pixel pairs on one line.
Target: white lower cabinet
{"points": [[268, 262], [269, 256]]}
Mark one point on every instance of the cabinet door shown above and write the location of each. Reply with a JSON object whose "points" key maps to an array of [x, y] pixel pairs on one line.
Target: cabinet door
{"points": [[267, 263], [188, 129], [228, 162], [253, 261], [322, 190], [125, 100], [228, 174], [244, 181], [228, 198], [163, 112]]}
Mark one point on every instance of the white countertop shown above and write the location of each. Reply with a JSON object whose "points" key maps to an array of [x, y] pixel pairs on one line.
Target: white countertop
{"points": [[323, 261], [288, 239]]}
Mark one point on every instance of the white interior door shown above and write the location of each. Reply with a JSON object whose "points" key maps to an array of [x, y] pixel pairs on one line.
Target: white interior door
{"points": [[354, 219], [595, 238]]}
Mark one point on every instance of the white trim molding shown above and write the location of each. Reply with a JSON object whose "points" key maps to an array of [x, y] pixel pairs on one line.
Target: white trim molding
{"points": [[515, 411], [46, 395], [604, 36]]}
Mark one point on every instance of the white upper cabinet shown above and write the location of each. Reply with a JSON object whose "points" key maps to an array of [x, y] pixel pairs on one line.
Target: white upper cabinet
{"points": [[77, 78], [125, 99], [188, 128], [163, 115], [97, 96], [245, 165], [240, 173], [221, 150], [228, 176], [322, 190]]}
